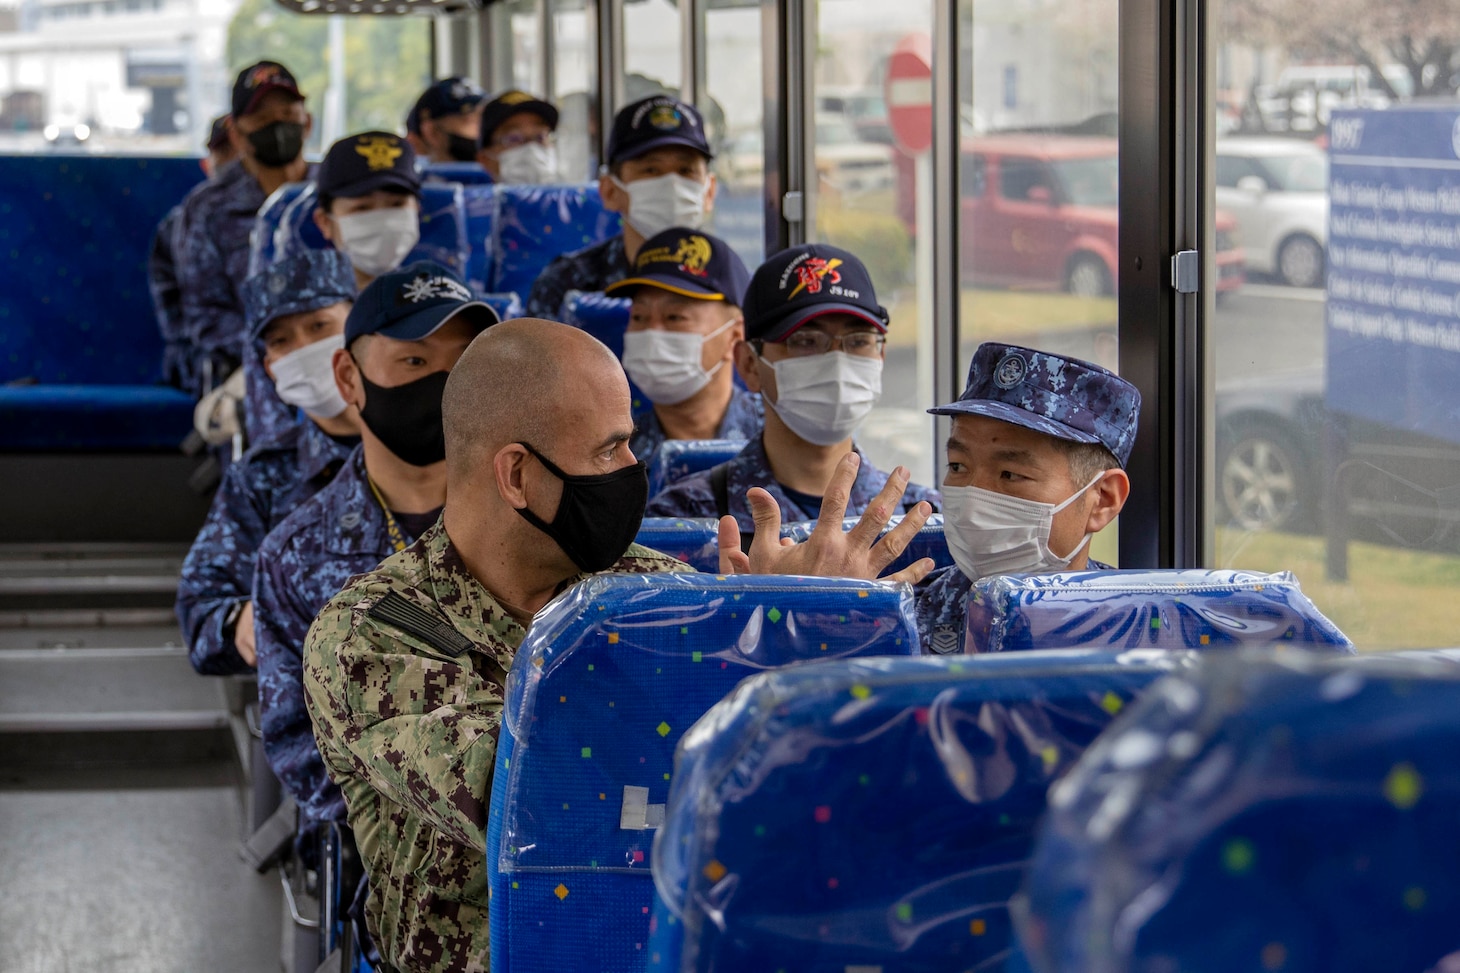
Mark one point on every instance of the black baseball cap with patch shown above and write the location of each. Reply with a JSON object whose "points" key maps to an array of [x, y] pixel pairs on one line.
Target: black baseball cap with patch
{"points": [[256, 81], [688, 262], [360, 164], [802, 283], [655, 123], [510, 103], [413, 303], [449, 96]]}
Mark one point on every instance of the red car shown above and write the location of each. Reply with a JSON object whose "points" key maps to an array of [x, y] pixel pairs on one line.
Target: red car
{"points": [[1039, 211]]}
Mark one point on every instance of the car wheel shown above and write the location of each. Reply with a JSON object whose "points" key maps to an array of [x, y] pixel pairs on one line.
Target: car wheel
{"points": [[1300, 261], [1263, 481], [1087, 277]]}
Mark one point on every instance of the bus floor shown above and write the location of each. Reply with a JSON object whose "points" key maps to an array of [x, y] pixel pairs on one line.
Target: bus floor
{"points": [[121, 794]]}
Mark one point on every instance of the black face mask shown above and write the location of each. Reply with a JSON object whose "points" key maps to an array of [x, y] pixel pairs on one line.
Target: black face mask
{"points": [[278, 144], [598, 516], [407, 418], [461, 148]]}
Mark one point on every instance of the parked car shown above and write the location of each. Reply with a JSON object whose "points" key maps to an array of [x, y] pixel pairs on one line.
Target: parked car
{"points": [[1305, 95], [1277, 190], [1040, 211], [1397, 487], [863, 107], [845, 161]]}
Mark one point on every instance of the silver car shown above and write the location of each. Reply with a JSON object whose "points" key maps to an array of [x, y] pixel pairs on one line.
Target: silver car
{"points": [[1277, 188]]}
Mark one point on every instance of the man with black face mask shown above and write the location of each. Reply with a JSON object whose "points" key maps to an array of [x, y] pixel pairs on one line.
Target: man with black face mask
{"points": [[267, 129], [404, 669], [443, 123], [402, 339]]}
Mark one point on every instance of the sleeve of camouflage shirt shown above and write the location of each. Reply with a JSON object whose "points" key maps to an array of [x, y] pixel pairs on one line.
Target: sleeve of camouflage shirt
{"points": [[548, 291], [419, 726], [212, 314], [281, 623], [166, 301], [218, 574]]}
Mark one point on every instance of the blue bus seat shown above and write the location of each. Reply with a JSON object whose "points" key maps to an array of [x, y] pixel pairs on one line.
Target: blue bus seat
{"points": [[93, 418], [465, 173], [535, 224], [1293, 812], [608, 679], [1173, 609], [480, 208], [873, 814], [443, 227], [507, 305], [678, 458], [691, 539], [80, 353], [604, 317], [927, 542]]}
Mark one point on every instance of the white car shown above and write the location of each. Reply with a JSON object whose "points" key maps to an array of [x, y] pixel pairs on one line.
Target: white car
{"points": [[1277, 188], [847, 163]]}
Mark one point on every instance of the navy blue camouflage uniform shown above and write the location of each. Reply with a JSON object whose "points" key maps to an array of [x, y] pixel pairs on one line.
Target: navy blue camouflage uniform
{"points": [[591, 269], [257, 493], [210, 244], [167, 303], [694, 496], [337, 534], [744, 419]]}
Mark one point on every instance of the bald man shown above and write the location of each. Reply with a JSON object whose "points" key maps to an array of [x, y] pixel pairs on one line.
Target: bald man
{"points": [[404, 669]]}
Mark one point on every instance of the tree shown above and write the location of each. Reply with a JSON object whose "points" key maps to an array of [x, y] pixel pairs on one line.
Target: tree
{"points": [[1422, 36], [387, 59]]}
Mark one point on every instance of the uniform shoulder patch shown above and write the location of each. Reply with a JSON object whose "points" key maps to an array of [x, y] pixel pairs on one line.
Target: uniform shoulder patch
{"points": [[944, 640], [396, 611]]}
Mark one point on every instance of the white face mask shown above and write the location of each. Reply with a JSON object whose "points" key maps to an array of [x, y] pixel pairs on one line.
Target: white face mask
{"points": [[824, 398], [306, 378], [530, 164], [990, 533], [377, 241], [664, 202], [668, 366]]}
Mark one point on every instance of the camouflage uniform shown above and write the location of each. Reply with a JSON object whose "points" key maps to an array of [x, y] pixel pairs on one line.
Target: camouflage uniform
{"points": [[408, 726], [939, 608], [744, 419], [211, 245], [694, 496], [591, 269], [167, 303], [257, 493], [338, 533]]}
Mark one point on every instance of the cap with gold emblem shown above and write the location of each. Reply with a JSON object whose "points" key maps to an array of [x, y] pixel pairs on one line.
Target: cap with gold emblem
{"points": [[688, 262], [360, 164], [510, 103]]}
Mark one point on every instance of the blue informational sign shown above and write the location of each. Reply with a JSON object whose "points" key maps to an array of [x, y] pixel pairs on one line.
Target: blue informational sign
{"points": [[1394, 268]]}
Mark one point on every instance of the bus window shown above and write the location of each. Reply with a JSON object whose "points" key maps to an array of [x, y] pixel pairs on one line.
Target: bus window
{"points": [[1337, 451], [574, 78], [652, 44], [1038, 215], [733, 110], [858, 207]]}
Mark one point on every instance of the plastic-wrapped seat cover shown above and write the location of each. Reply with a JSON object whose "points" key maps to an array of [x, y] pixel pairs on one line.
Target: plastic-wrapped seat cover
{"points": [[534, 225], [608, 679], [677, 458], [1295, 813], [873, 814], [604, 317], [1180, 609]]}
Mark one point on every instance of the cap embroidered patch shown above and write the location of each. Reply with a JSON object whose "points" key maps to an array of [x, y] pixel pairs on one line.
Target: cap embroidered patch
{"points": [[380, 151]]}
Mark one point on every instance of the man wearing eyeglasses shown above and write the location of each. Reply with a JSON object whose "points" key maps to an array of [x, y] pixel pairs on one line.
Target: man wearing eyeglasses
{"points": [[516, 142], [815, 342]]}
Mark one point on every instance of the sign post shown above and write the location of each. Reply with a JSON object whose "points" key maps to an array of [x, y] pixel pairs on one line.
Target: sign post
{"points": [[908, 92]]}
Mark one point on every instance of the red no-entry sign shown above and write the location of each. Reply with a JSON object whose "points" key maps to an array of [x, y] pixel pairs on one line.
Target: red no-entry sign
{"points": [[908, 91]]}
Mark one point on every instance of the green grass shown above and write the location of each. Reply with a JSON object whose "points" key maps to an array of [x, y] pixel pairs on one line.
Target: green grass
{"points": [[1393, 599]]}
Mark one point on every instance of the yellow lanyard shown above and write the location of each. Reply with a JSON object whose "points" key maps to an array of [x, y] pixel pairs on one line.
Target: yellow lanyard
{"points": [[392, 529]]}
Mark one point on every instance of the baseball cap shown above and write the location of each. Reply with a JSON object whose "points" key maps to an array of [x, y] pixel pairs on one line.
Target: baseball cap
{"points": [[1062, 397], [449, 96], [687, 262], [217, 134], [306, 282], [257, 80], [806, 282], [653, 123], [414, 302], [510, 103], [360, 164]]}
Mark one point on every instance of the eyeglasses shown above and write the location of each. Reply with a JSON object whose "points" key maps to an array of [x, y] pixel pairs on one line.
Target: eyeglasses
{"points": [[515, 140], [808, 341]]}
